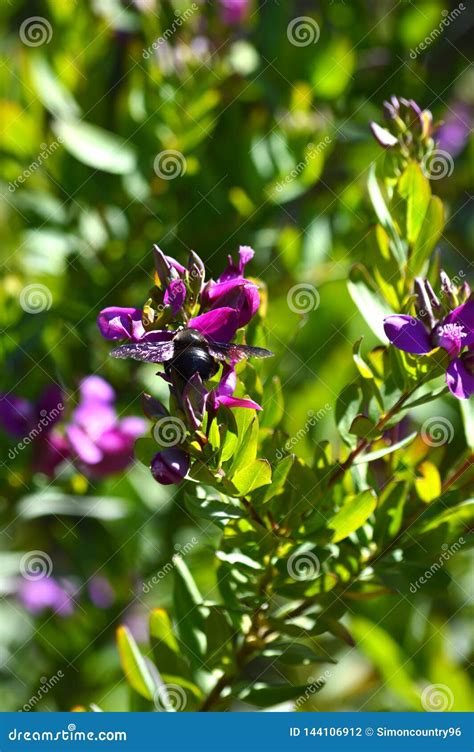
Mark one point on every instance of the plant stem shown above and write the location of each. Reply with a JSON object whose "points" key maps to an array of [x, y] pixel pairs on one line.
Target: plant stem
{"points": [[464, 467]]}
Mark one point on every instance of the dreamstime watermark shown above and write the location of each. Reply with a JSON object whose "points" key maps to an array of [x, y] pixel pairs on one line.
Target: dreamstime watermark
{"points": [[35, 565], [45, 685], [169, 431], [303, 31], [315, 684], [311, 421], [303, 298], [36, 298], [181, 551], [303, 565], [437, 431], [43, 156], [448, 18], [170, 164], [313, 151], [448, 551], [46, 418], [170, 697], [437, 164], [35, 31], [181, 18], [437, 698]]}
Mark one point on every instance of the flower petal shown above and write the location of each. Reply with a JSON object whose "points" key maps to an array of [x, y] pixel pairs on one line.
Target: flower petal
{"points": [[459, 380], [94, 388], [118, 323], [408, 334], [383, 136], [237, 402], [464, 316], [82, 445], [175, 295], [219, 325]]}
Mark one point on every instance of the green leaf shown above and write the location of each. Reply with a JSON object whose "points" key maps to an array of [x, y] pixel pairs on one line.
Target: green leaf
{"points": [[53, 502], [51, 91], [377, 454], [96, 147], [273, 404], [247, 449], [144, 450], [368, 301], [347, 408], [134, 665], [428, 482], [166, 651], [265, 695], [255, 475], [467, 411], [212, 509], [294, 654], [356, 511], [190, 615], [414, 187], [396, 245], [428, 236]]}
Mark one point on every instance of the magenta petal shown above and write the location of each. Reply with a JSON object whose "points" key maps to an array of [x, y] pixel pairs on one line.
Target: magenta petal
{"points": [[170, 466], [175, 295], [408, 334], [459, 380], [237, 402], [133, 426], [82, 445], [463, 315], [219, 325], [96, 388], [118, 323], [228, 382]]}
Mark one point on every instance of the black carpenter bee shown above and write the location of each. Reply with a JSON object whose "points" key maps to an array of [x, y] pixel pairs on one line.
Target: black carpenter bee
{"points": [[189, 352]]}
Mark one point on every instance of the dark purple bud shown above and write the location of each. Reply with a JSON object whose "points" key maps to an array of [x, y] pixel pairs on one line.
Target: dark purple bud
{"points": [[447, 287], [170, 466], [162, 266], [152, 407], [423, 304]]}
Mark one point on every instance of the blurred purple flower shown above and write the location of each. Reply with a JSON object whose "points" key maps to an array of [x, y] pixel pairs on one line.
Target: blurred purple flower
{"points": [[102, 443], [47, 592], [233, 11], [33, 423], [454, 132], [453, 333], [101, 592]]}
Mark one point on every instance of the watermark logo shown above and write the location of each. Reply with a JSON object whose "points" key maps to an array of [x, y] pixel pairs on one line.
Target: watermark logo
{"points": [[45, 685], [303, 31], [437, 698], [313, 151], [303, 565], [170, 164], [437, 431], [181, 551], [45, 153], [303, 298], [170, 697], [35, 565], [313, 418], [315, 684], [181, 18], [448, 18], [36, 298], [46, 418], [448, 551], [169, 431], [437, 165], [35, 31]]}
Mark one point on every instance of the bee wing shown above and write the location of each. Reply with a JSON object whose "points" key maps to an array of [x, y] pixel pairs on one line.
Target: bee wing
{"points": [[229, 351], [151, 352]]}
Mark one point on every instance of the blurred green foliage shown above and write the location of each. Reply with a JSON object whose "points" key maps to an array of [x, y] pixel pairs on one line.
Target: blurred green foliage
{"points": [[269, 146]]}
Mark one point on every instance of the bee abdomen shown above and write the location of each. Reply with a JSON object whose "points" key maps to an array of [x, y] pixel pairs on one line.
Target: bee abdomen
{"points": [[193, 360]]}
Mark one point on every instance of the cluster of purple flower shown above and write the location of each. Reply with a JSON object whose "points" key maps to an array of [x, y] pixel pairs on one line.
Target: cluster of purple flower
{"points": [[452, 330], [183, 299], [409, 128], [94, 437]]}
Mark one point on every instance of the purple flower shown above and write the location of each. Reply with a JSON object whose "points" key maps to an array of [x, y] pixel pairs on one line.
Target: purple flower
{"points": [[407, 126], [175, 295], [102, 443], [44, 593], [33, 423], [233, 11], [101, 592], [126, 323], [170, 466], [453, 333], [233, 290], [222, 394], [454, 131]]}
